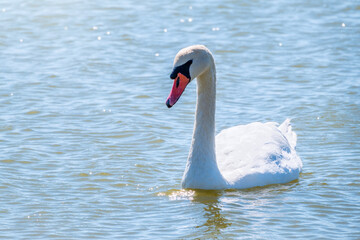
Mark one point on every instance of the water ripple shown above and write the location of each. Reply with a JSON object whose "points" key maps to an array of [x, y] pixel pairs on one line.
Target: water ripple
{"points": [[89, 149]]}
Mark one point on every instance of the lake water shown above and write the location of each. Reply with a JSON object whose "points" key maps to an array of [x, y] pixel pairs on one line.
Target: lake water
{"points": [[90, 150]]}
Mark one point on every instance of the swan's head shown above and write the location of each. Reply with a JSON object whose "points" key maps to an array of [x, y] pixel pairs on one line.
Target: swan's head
{"points": [[189, 63]]}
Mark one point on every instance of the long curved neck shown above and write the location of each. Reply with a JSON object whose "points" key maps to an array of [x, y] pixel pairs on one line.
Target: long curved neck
{"points": [[201, 168], [203, 142]]}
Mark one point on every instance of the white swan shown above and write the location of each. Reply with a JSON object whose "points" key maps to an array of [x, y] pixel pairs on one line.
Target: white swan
{"points": [[246, 156]]}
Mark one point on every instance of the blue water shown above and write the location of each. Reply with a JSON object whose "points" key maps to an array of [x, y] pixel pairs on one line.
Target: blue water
{"points": [[88, 148]]}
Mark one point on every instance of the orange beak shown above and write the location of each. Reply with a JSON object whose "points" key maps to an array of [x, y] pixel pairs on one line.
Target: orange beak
{"points": [[178, 88]]}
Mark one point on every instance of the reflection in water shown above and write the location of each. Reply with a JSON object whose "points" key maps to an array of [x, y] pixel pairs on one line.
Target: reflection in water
{"points": [[215, 221], [213, 211], [253, 200]]}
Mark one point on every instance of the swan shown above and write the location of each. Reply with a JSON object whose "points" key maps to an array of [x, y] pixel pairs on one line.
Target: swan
{"points": [[244, 156]]}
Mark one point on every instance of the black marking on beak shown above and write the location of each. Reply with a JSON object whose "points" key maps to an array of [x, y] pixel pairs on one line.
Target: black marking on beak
{"points": [[183, 69], [177, 82]]}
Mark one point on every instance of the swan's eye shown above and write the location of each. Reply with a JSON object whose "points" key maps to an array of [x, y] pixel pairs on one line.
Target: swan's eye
{"points": [[183, 69]]}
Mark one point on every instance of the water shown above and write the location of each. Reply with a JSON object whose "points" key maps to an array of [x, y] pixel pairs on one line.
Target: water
{"points": [[89, 149]]}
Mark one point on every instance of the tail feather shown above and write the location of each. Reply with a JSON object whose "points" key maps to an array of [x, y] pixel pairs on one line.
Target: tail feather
{"points": [[286, 129]]}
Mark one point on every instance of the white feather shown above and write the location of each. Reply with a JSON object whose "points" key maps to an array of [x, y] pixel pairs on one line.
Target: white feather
{"points": [[239, 157]]}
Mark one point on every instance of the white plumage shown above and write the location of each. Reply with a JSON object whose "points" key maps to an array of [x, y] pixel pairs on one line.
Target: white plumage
{"points": [[239, 157], [257, 154]]}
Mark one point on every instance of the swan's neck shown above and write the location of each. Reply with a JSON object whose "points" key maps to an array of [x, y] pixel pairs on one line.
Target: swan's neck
{"points": [[203, 141], [201, 168]]}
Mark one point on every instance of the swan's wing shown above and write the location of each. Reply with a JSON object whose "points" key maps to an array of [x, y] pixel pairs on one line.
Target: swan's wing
{"points": [[258, 154]]}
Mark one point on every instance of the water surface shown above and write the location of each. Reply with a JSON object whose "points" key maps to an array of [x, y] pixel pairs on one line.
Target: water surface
{"points": [[89, 149]]}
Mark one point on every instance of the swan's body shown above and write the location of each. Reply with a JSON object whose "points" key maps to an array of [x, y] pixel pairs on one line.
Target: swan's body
{"points": [[245, 156]]}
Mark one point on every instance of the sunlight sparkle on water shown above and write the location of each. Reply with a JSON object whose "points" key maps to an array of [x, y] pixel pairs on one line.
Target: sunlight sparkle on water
{"points": [[182, 194], [91, 150], [178, 194]]}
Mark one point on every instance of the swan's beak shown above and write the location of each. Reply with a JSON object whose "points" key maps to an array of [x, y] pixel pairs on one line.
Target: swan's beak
{"points": [[178, 88]]}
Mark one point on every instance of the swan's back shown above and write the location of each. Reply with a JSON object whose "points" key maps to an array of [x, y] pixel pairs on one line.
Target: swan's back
{"points": [[258, 154]]}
